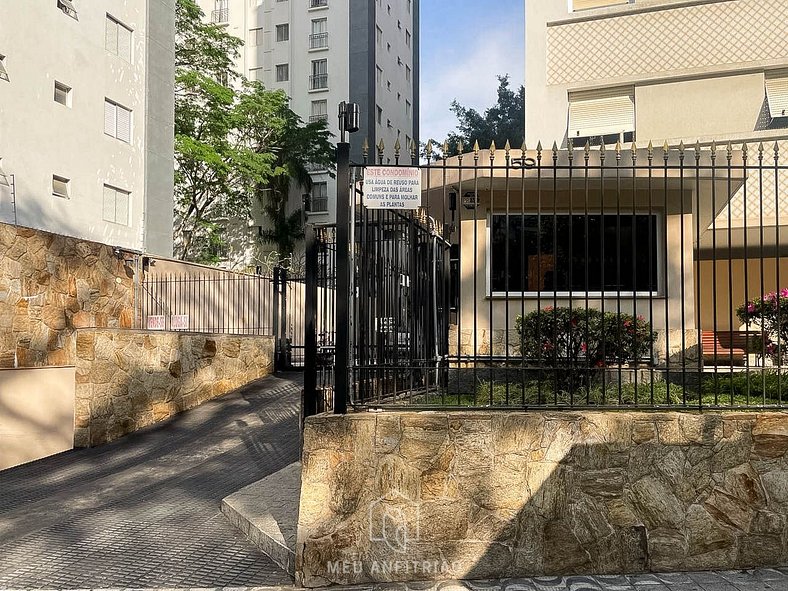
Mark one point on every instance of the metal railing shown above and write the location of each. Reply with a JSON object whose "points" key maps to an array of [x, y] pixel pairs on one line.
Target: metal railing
{"points": [[637, 277], [318, 3], [318, 40], [220, 15], [318, 81], [316, 118]]}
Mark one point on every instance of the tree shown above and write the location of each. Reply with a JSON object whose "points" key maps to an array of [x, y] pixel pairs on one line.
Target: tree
{"points": [[503, 121], [235, 142], [296, 148]]}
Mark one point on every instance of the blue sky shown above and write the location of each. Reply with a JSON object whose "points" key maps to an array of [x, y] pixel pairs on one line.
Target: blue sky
{"points": [[464, 45]]}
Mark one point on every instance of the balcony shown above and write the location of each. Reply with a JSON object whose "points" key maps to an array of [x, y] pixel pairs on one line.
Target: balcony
{"points": [[220, 16], [318, 41], [318, 3], [316, 118], [318, 82]]}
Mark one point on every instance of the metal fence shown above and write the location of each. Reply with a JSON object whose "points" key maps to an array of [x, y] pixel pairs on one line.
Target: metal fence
{"points": [[221, 302], [607, 278]]}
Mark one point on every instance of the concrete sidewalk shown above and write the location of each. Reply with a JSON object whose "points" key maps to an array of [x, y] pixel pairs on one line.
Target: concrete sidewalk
{"points": [[144, 511]]}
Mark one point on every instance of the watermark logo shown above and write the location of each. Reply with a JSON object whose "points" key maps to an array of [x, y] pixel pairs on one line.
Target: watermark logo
{"points": [[394, 520]]}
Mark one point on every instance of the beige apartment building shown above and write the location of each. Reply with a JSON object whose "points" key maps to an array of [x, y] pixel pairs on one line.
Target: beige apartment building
{"points": [[86, 119]]}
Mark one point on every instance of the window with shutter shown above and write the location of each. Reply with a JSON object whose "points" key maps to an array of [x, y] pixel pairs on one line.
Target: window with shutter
{"points": [[110, 118], [67, 6], [116, 205], [124, 43], [117, 121], [777, 94], [3, 71], [118, 38], [601, 112], [61, 186], [62, 94], [111, 36], [124, 125]]}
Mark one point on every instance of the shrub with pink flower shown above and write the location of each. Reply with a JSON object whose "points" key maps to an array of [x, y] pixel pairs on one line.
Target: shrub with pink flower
{"points": [[769, 314]]}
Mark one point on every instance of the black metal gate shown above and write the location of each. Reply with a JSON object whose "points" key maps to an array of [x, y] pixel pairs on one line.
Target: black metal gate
{"points": [[377, 298]]}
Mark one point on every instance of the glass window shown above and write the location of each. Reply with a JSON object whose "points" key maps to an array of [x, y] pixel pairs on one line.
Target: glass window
{"points": [[62, 94], [283, 72], [579, 253], [282, 32]]}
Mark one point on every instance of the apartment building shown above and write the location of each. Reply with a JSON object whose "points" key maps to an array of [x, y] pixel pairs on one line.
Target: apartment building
{"points": [[86, 119], [323, 52], [656, 70]]}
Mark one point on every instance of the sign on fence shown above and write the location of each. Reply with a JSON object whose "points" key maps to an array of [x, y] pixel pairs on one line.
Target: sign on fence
{"points": [[391, 187], [157, 322], [179, 322]]}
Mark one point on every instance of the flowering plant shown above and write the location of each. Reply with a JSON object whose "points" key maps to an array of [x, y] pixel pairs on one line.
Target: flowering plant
{"points": [[770, 313]]}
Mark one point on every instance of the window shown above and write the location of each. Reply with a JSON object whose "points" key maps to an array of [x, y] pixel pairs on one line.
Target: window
{"points": [[379, 35], [256, 74], [3, 71], [607, 112], [318, 3], [116, 205], [407, 37], [67, 6], [388, 47], [61, 186], [408, 108], [380, 114], [410, 3], [407, 73], [319, 78], [399, 97], [319, 197], [283, 72], [607, 253], [62, 94], [282, 33], [388, 123], [379, 74], [777, 94], [117, 121], [399, 25], [256, 36], [318, 39], [221, 12], [117, 38], [319, 111]]}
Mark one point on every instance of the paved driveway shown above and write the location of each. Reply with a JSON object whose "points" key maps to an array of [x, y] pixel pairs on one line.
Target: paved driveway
{"points": [[144, 510]]}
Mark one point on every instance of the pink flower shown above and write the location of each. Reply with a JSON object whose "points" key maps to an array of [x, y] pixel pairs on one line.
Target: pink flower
{"points": [[784, 292], [584, 347], [548, 309], [627, 323], [750, 308]]}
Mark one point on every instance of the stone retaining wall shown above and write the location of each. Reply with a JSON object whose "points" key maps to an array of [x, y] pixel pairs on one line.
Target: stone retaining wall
{"points": [[51, 285], [415, 496], [127, 380]]}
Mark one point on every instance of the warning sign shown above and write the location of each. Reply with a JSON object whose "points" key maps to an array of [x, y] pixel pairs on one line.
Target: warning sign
{"points": [[392, 187]]}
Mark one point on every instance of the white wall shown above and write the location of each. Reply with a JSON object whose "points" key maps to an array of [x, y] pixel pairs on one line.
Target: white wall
{"points": [[39, 137]]}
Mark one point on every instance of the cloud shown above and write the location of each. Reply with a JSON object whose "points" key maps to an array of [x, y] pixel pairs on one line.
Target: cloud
{"points": [[468, 74]]}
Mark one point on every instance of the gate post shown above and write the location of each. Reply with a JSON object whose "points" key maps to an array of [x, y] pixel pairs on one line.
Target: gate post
{"points": [[310, 323], [284, 352], [343, 263], [276, 321]]}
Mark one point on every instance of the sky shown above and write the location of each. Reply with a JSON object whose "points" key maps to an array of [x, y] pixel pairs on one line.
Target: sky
{"points": [[464, 45]]}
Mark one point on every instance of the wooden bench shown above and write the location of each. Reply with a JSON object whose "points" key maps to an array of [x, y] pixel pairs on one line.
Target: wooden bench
{"points": [[730, 345]]}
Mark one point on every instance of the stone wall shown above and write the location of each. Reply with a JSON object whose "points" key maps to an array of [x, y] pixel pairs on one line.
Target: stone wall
{"points": [[409, 496], [127, 380], [51, 285]]}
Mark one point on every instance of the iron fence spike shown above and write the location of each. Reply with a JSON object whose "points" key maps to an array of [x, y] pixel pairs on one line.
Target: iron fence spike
{"points": [[524, 148], [476, 147], [492, 148]]}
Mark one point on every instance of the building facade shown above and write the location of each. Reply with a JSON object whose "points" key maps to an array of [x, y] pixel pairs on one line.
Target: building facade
{"points": [[655, 70], [86, 120], [323, 52]]}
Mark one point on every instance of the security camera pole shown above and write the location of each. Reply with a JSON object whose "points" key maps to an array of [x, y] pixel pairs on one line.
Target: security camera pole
{"points": [[348, 123]]}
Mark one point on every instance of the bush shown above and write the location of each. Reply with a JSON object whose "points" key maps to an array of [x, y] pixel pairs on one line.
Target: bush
{"points": [[578, 338], [770, 314]]}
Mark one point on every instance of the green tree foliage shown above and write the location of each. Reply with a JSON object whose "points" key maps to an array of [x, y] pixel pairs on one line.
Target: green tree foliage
{"points": [[503, 121], [235, 142]]}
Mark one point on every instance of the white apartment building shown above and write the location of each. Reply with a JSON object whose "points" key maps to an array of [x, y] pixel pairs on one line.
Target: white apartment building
{"points": [[86, 119], [323, 52], [656, 70]]}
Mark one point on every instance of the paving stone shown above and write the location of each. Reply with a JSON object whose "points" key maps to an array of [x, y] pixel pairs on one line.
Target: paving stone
{"points": [[144, 511]]}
